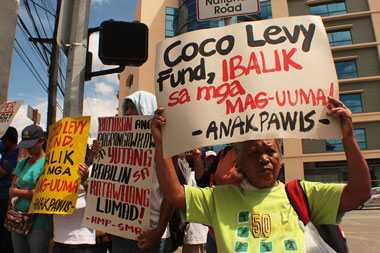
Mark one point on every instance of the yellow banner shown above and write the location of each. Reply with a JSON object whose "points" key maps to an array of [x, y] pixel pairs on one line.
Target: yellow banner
{"points": [[58, 185]]}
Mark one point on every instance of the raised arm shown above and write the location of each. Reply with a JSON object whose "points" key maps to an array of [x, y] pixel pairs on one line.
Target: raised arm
{"points": [[358, 188], [199, 167], [173, 191]]}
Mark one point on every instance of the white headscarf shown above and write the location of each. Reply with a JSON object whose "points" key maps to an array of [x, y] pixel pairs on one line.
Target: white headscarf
{"points": [[145, 102]]}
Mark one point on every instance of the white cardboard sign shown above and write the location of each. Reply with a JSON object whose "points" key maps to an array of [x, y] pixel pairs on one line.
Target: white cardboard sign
{"points": [[253, 80], [210, 9], [119, 191], [8, 111]]}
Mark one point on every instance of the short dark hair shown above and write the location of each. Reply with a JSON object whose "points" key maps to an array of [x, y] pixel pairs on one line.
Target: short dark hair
{"points": [[11, 134]]}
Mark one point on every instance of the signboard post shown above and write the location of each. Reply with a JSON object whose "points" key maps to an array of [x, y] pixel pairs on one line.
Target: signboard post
{"points": [[34, 115], [210, 9]]}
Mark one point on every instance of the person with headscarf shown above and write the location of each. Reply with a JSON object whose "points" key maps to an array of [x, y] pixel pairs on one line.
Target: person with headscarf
{"points": [[157, 239]]}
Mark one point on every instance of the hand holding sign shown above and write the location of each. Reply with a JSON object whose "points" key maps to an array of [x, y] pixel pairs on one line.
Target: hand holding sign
{"points": [[156, 124], [345, 114]]}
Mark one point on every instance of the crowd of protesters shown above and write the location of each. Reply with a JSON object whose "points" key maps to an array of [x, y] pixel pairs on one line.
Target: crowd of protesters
{"points": [[63, 233], [243, 174]]}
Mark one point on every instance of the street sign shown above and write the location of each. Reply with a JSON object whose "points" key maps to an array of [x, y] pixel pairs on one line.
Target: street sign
{"points": [[34, 115], [210, 9], [64, 24]]}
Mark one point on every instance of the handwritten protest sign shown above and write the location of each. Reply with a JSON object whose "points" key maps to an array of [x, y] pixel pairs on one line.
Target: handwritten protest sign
{"points": [[8, 110], [57, 188], [253, 80], [118, 195]]}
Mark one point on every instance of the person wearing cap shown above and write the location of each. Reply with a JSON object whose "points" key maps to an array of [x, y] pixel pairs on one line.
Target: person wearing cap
{"points": [[26, 174], [8, 161], [210, 157]]}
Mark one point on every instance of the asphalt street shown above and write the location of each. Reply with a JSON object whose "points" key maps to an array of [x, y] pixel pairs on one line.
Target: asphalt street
{"points": [[362, 230]]}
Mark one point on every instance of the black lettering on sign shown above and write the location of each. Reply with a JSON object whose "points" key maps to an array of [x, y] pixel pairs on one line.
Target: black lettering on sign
{"points": [[264, 121], [273, 35]]}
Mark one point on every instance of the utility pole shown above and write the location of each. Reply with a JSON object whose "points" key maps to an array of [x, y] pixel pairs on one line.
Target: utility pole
{"points": [[8, 20], [53, 73], [76, 63]]}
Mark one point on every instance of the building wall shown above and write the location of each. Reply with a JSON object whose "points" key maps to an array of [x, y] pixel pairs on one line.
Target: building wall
{"points": [[362, 19]]}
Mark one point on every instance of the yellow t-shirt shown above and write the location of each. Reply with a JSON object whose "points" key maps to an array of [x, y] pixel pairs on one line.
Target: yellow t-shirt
{"points": [[261, 220]]}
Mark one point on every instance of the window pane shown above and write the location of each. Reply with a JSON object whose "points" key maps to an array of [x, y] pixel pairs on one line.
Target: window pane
{"points": [[352, 101], [337, 145], [360, 137], [346, 69], [169, 18], [171, 22], [339, 38], [329, 8], [265, 10], [171, 11]]}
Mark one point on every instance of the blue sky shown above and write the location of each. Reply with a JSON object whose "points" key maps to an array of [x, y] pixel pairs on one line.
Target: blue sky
{"points": [[100, 92]]}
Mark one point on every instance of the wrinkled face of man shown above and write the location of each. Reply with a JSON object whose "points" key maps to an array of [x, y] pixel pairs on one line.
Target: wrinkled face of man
{"points": [[260, 162]]}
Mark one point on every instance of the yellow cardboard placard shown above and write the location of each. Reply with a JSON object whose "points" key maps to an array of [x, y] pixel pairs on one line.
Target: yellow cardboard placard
{"points": [[58, 185]]}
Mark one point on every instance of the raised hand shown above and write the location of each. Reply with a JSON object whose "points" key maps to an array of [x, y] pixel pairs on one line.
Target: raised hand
{"points": [[345, 115]]}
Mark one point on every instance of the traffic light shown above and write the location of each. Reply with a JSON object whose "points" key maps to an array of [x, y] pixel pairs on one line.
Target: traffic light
{"points": [[123, 43]]}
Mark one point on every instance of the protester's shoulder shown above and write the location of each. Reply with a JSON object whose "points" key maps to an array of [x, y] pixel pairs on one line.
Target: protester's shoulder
{"points": [[19, 165], [224, 189], [214, 188], [40, 162], [311, 187]]}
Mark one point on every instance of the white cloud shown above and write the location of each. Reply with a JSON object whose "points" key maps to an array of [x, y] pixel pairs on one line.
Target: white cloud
{"points": [[104, 89], [112, 78], [20, 120], [94, 47], [99, 2], [97, 63], [99, 107], [94, 107]]}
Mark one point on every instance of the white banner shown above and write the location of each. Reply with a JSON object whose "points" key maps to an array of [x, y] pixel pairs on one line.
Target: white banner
{"points": [[253, 80], [8, 111], [119, 191]]}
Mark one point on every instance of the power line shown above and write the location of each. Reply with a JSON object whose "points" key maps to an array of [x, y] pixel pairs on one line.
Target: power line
{"points": [[35, 28], [25, 28], [40, 26], [44, 8], [31, 67], [34, 50]]}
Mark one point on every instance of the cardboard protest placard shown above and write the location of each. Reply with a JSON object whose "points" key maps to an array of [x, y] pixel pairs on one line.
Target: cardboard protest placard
{"points": [[252, 80], [58, 185], [8, 111], [119, 191]]}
